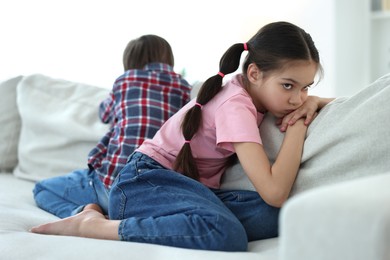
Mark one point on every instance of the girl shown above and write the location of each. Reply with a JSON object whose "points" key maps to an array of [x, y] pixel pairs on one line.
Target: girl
{"points": [[168, 193], [142, 99]]}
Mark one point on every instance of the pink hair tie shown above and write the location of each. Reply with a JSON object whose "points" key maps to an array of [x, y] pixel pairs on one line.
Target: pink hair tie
{"points": [[198, 104], [245, 46], [221, 74], [187, 141]]}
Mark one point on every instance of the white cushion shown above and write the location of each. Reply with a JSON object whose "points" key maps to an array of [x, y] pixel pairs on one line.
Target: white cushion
{"points": [[60, 125], [349, 139], [10, 124], [347, 220]]}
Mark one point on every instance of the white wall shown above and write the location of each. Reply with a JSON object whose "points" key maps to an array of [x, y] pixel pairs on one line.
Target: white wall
{"points": [[83, 40], [351, 69]]}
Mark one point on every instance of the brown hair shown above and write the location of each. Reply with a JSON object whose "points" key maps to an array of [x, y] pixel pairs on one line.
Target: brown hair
{"points": [[147, 49], [270, 49]]}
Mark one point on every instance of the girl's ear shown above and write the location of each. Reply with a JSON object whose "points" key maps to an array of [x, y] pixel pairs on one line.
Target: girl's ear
{"points": [[253, 73]]}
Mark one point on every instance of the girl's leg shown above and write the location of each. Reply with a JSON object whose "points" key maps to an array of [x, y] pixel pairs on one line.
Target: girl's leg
{"points": [[258, 218], [160, 207], [67, 195], [163, 207]]}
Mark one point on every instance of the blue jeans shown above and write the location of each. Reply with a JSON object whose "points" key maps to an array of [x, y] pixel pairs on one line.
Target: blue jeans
{"points": [[259, 219], [160, 206], [67, 195]]}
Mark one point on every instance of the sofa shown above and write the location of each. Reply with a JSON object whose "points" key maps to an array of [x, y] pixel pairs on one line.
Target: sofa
{"points": [[339, 206]]}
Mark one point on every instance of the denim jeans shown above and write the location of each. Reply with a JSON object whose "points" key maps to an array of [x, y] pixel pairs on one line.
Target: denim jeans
{"points": [[67, 195], [259, 219], [160, 206]]}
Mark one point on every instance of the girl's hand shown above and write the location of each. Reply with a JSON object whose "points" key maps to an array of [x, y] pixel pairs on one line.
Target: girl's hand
{"points": [[308, 110]]}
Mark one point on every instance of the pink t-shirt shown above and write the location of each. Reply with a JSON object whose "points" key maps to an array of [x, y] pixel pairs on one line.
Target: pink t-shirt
{"points": [[228, 118]]}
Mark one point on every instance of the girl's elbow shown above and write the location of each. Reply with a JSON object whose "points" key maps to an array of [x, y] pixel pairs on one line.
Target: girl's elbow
{"points": [[276, 203], [276, 199]]}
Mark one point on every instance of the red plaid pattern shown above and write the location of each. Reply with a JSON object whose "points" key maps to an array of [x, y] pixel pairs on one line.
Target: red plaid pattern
{"points": [[139, 103]]}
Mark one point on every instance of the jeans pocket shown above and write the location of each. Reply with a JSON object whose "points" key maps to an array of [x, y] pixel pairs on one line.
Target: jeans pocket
{"points": [[145, 163], [228, 196], [237, 195]]}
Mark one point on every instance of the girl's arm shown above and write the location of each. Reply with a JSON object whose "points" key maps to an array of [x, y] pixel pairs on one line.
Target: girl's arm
{"points": [[274, 182], [308, 110]]}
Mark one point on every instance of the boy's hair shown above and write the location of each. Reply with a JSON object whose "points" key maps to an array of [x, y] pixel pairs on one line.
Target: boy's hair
{"points": [[147, 49], [271, 49]]}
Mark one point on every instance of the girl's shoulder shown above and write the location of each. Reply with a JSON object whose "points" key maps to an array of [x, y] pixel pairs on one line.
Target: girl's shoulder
{"points": [[234, 89], [233, 93]]}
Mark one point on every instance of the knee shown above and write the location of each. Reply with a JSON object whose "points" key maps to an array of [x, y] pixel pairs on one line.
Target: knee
{"points": [[43, 192], [234, 238], [228, 235], [38, 188], [218, 234]]}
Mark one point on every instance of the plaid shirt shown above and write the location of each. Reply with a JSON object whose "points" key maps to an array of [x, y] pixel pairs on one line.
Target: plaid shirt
{"points": [[139, 103]]}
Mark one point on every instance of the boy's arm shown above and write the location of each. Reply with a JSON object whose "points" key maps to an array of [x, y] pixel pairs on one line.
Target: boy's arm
{"points": [[106, 110]]}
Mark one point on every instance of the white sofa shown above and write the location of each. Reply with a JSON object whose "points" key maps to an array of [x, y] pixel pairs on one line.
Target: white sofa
{"points": [[339, 207]]}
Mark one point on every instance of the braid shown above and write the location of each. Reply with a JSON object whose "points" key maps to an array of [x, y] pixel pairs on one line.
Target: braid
{"points": [[229, 63]]}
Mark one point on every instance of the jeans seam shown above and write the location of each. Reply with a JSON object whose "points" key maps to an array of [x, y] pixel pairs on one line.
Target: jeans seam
{"points": [[211, 231]]}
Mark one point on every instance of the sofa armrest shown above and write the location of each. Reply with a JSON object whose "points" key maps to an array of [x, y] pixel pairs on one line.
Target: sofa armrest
{"points": [[348, 220]]}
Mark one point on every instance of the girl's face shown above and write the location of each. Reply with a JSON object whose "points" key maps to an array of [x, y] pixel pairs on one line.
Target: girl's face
{"points": [[283, 91]]}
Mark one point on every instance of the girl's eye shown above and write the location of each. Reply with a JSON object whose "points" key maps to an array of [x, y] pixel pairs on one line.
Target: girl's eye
{"points": [[287, 86]]}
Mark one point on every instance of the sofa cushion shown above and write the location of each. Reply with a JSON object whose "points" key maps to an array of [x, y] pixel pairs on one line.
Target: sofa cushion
{"points": [[60, 125], [10, 124], [348, 139], [347, 220]]}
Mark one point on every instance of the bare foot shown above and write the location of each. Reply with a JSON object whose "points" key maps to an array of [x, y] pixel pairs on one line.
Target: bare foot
{"points": [[93, 206], [88, 223]]}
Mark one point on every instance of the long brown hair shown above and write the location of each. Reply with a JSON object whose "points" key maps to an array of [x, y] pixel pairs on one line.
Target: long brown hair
{"points": [[270, 48]]}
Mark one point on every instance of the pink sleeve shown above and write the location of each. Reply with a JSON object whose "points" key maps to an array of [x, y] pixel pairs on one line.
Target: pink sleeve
{"points": [[237, 121]]}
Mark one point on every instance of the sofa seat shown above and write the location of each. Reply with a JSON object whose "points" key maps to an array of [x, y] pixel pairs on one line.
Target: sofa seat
{"points": [[18, 213]]}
